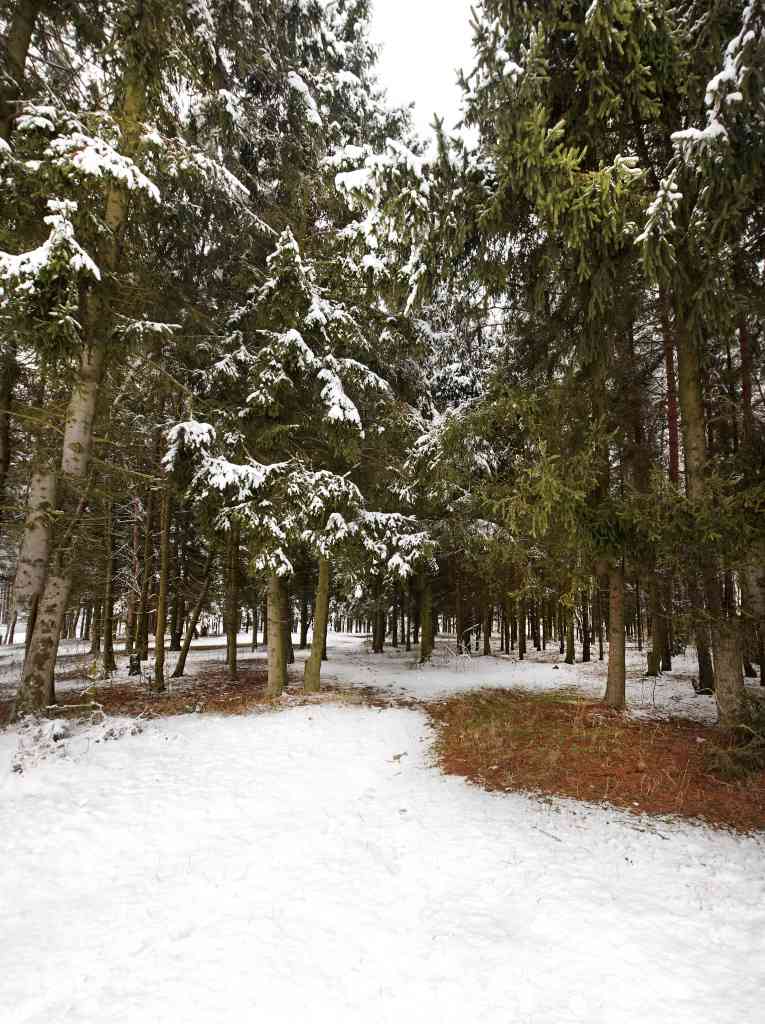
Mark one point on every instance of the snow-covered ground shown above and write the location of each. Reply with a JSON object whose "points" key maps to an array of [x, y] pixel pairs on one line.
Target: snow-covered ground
{"points": [[399, 673], [312, 865]]}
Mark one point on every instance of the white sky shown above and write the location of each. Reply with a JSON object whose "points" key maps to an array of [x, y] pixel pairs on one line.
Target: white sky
{"points": [[423, 44]]}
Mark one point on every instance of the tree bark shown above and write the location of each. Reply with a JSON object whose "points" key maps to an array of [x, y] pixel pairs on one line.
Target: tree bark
{"points": [[616, 685], [109, 664], [725, 635], [658, 628], [426, 621], [37, 688], [232, 600], [277, 635], [142, 614], [34, 553], [586, 641], [194, 618], [96, 629], [673, 428], [312, 673], [162, 594], [570, 646]]}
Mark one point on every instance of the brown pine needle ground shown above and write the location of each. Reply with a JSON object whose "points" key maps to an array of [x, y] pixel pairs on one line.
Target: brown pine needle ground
{"points": [[561, 744]]}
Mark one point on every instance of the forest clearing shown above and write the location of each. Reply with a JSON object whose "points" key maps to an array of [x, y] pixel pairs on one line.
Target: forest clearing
{"points": [[382, 511]]}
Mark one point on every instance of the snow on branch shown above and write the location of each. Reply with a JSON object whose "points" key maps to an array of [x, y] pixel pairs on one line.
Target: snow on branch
{"points": [[92, 157], [191, 436], [729, 88], [312, 111], [60, 252]]}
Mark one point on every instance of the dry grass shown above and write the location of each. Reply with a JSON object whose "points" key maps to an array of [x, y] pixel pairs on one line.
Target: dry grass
{"points": [[563, 745], [209, 691]]}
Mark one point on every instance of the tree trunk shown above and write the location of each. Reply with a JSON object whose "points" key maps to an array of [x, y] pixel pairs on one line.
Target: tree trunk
{"points": [[729, 689], [658, 628], [277, 633], [177, 609], [194, 618], [36, 690], [521, 605], [142, 614], [725, 636], [585, 627], [570, 644], [232, 600], [95, 632], [109, 664], [254, 627], [32, 562], [162, 594], [616, 685], [673, 431], [426, 621], [304, 605], [487, 618], [312, 673]]}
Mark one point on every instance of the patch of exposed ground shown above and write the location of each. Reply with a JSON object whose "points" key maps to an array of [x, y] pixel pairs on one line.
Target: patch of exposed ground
{"points": [[560, 744], [208, 691]]}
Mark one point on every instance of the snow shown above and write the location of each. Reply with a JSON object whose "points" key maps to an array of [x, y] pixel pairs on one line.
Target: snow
{"points": [[299, 85], [61, 247], [340, 409], [312, 864], [95, 158]]}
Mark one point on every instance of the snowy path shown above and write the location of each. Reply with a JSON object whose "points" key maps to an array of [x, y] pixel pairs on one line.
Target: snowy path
{"points": [[291, 867]]}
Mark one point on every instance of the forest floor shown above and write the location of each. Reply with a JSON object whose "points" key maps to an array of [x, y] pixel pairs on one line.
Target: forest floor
{"points": [[317, 864]]}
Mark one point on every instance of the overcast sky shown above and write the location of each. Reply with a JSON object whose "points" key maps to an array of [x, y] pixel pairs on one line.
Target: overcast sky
{"points": [[423, 43]]}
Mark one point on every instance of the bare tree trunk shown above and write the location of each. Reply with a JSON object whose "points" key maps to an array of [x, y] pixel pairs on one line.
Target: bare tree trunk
{"points": [[178, 605], [95, 632], [277, 647], [586, 653], [109, 664], [304, 613], [194, 618], [232, 599], [254, 626], [426, 621], [616, 685], [673, 428], [131, 615], [725, 636], [36, 690], [570, 644], [729, 689], [164, 581], [312, 673], [34, 553], [658, 628], [142, 613]]}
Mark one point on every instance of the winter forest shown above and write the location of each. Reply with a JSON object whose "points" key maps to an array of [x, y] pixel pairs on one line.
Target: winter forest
{"points": [[433, 468]]}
